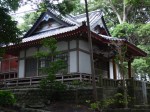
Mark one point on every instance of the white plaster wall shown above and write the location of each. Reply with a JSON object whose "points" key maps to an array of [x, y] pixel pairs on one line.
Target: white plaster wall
{"points": [[73, 44], [73, 61], [31, 51], [111, 69], [83, 45], [84, 63], [21, 68], [118, 72], [62, 46], [22, 54]]}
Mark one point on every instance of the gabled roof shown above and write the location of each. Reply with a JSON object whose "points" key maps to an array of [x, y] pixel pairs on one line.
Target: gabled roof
{"points": [[44, 15], [72, 26], [96, 18]]}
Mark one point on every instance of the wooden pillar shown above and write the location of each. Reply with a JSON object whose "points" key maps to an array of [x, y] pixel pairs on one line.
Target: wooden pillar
{"points": [[114, 69], [129, 68], [77, 43]]}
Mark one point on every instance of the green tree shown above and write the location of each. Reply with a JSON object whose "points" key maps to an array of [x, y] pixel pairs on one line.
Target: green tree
{"points": [[141, 65], [120, 11], [8, 30], [125, 31], [11, 5], [29, 20], [49, 86]]}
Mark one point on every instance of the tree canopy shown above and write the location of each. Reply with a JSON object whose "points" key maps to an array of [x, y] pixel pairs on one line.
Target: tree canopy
{"points": [[11, 5], [8, 30], [119, 11]]}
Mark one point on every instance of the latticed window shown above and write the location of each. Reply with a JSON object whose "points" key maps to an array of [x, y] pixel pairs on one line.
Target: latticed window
{"points": [[45, 61], [30, 67], [64, 57]]}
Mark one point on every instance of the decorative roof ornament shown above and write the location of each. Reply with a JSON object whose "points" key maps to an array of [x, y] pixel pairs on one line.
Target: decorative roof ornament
{"points": [[47, 17]]}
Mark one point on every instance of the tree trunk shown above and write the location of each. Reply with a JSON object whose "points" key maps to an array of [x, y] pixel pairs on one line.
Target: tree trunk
{"points": [[124, 12], [91, 53], [115, 11]]}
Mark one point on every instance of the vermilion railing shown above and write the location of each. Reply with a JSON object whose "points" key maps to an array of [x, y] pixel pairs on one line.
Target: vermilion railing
{"points": [[8, 67]]}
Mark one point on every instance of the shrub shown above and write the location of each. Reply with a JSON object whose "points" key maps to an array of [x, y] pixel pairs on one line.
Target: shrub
{"points": [[51, 90], [6, 98]]}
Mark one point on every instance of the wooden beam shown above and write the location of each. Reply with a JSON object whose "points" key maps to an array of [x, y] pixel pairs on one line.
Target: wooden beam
{"points": [[129, 69], [77, 44]]}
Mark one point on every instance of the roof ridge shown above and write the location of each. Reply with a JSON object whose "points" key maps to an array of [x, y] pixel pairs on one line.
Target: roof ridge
{"points": [[60, 16], [98, 10]]}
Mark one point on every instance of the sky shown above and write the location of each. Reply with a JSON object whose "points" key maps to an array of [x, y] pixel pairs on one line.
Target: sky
{"points": [[21, 12], [26, 9]]}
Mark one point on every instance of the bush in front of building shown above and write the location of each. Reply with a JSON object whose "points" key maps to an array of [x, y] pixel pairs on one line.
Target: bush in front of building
{"points": [[6, 98]]}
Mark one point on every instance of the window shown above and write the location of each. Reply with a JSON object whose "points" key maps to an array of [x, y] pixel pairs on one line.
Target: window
{"points": [[30, 67], [45, 61]]}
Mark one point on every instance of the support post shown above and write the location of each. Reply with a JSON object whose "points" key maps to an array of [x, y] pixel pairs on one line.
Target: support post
{"points": [[91, 53], [129, 69]]}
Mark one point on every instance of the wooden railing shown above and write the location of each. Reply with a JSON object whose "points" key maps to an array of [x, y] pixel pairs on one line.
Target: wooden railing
{"points": [[20, 82], [29, 81]]}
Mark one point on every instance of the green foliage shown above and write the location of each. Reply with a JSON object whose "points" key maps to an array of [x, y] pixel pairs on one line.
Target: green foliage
{"points": [[10, 4], [99, 105], [6, 98], [137, 11], [51, 88], [67, 6], [141, 65], [125, 31], [29, 20], [116, 101], [78, 8], [119, 100], [8, 30], [144, 33], [139, 35]]}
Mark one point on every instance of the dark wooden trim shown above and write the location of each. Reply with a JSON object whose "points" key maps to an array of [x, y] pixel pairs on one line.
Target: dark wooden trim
{"points": [[129, 69], [108, 70], [68, 56], [114, 69], [38, 48], [25, 62], [77, 44], [35, 25], [84, 51]]}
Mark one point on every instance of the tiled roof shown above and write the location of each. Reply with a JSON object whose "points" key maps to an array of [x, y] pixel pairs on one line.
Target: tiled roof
{"points": [[63, 18], [74, 25], [94, 16], [111, 38], [49, 33]]}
